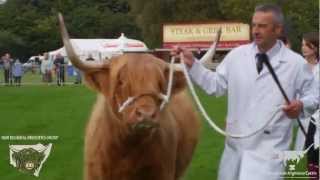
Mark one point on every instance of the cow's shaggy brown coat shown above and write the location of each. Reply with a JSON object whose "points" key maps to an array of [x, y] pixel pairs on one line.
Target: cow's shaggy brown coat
{"points": [[141, 142], [112, 150]]}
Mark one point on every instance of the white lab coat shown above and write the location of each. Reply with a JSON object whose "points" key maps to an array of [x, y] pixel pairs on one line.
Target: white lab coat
{"points": [[252, 100], [300, 138]]}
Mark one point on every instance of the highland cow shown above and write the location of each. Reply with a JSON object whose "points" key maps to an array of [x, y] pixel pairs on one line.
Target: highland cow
{"points": [[140, 141]]}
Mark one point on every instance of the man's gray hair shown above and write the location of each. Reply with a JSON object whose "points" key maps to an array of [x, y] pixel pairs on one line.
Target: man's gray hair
{"points": [[276, 11]]}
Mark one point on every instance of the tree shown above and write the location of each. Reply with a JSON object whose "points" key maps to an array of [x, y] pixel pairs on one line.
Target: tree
{"points": [[34, 22], [10, 42]]}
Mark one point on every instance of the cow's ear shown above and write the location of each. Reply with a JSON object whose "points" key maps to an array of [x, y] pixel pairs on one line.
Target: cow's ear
{"points": [[179, 82], [98, 80]]}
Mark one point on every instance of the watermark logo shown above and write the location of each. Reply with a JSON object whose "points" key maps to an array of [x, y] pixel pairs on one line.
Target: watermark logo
{"points": [[29, 158], [292, 157], [290, 160], [292, 167]]}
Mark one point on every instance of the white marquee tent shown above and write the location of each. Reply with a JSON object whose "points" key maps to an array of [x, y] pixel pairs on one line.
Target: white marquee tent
{"points": [[102, 48]]}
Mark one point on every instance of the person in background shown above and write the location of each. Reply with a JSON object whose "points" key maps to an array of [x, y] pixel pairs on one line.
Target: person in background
{"points": [[1, 65], [46, 68], [285, 39], [17, 72], [35, 64], [7, 66], [78, 72], [198, 54], [60, 69], [310, 51], [78, 76]]}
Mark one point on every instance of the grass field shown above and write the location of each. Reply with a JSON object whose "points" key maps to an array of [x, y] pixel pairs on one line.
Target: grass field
{"points": [[63, 111]]}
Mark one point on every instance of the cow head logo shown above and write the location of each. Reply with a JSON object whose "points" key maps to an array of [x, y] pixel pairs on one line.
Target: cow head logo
{"points": [[29, 158]]}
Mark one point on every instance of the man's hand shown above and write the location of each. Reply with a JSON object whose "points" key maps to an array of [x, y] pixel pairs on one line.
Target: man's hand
{"points": [[293, 109], [187, 55]]}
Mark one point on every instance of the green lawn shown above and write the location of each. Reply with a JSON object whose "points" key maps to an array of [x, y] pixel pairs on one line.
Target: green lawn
{"points": [[63, 111], [46, 110]]}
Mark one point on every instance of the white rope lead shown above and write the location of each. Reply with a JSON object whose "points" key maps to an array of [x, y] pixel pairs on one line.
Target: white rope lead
{"points": [[125, 104], [205, 115], [169, 87], [165, 97]]}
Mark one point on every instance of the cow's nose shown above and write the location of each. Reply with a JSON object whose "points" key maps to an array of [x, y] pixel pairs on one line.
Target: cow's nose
{"points": [[145, 120], [145, 115]]}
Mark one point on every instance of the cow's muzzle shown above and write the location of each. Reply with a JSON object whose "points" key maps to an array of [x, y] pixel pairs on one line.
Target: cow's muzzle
{"points": [[144, 119], [144, 125]]}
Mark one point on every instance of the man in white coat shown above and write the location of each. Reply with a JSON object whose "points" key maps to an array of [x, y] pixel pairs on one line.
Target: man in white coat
{"points": [[254, 98]]}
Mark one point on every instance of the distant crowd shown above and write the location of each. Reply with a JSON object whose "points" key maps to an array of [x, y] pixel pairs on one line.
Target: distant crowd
{"points": [[47, 66], [12, 70]]}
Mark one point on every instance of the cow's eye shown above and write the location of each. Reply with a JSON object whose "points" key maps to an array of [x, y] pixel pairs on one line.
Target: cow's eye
{"points": [[121, 83]]}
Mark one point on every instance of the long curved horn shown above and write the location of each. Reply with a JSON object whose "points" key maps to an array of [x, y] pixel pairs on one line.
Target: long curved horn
{"points": [[212, 50], [82, 65]]}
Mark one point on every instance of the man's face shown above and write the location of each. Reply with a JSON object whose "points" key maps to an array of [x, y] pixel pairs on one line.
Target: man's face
{"points": [[265, 30]]}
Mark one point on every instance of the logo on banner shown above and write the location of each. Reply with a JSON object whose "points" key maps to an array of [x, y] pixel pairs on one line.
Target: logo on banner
{"points": [[29, 158]]}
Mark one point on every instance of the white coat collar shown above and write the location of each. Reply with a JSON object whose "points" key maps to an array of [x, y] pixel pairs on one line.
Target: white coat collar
{"points": [[271, 52], [275, 54]]}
